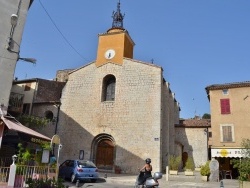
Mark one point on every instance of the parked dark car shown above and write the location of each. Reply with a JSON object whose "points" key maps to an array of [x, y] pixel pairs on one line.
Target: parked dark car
{"points": [[78, 170]]}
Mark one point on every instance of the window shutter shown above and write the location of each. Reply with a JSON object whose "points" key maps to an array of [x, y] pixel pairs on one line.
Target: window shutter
{"points": [[227, 134], [225, 106]]}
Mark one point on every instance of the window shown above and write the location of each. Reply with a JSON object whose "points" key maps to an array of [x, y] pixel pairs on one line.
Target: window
{"points": [[227, 133], [109, 83], [49, 115], [225, 106], [225, 91], [27, 87], [26, 108], [210, 134], [16, 101]]}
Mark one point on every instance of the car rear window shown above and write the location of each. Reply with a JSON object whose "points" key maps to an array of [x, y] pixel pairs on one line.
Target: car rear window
{"points": [[86, 164]]}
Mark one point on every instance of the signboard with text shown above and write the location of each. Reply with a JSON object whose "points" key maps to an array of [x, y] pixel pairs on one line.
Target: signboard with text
{"points": [[225, 152]]}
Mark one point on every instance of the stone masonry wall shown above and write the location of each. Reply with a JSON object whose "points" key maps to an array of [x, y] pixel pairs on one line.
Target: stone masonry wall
{"points": [[194, 141], [133, 119], [170, 117]]}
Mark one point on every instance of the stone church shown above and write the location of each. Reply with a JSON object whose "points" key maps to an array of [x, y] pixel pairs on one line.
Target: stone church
{"points": [[118, 111]]}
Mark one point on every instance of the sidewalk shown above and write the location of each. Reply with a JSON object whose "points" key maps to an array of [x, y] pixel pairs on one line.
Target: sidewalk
{"points": [[175, 182]]}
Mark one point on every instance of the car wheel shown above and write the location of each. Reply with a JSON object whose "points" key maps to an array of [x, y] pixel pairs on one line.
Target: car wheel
{"points": [[73, 178], [93, 180]]}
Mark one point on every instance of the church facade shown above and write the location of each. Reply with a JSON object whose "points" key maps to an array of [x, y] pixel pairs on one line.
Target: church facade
{"points": [[118, 111]]}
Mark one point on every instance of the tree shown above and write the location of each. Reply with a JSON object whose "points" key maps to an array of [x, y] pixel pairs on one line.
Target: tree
{"points": [[243, 165], [206, 116]]}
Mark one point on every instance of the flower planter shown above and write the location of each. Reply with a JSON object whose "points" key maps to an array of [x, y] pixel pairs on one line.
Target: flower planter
{"points": [[244, 184], [189, 173], [173, 172], [197, 169], [204, 178]]}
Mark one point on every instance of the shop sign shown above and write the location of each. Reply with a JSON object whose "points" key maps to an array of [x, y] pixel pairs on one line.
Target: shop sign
{"points": [[225, 152]]}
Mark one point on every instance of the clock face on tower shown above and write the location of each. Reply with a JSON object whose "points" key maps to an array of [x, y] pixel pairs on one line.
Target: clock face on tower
{"points": [[109, 54]]}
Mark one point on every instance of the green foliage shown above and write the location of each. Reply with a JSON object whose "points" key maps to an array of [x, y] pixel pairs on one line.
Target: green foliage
{"points": [[33, 121], [45, 183], [205, 170], [174, 162], [189, 165], [206, 116], [24, 154], [46, 146], [243, 165]]}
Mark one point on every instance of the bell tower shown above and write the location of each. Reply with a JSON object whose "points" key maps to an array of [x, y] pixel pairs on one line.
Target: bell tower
{"points": [[116, 43]]}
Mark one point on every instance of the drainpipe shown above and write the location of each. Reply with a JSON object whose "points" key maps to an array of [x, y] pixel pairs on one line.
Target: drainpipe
{"points": [[57, 118]]}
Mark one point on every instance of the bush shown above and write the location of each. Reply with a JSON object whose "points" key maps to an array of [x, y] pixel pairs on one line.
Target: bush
{"points": [[45, 183], [174, 162], [243, 165], [205, 170], [189, 165]]}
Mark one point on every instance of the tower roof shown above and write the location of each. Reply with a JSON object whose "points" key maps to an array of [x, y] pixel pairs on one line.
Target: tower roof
{"points": [[118, 17]]}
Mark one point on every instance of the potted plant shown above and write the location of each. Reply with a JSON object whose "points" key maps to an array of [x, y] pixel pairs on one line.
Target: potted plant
{"points": [[189, 167], [205, 171], [174, 163]]}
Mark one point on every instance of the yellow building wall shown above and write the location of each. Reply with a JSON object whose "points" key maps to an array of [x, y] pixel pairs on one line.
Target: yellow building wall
{"points": [[239, 116], [118, 41]]}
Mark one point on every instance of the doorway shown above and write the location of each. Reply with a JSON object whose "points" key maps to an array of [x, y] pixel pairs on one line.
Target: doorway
{"points": [[184, 159], [103, 149]]}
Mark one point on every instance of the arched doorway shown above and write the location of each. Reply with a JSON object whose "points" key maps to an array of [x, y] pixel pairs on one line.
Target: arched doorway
{"points": [[184, 158], [103, 151]]}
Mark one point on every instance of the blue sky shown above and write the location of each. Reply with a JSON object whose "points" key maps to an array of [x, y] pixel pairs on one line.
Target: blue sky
{"points": [[197, 42]]}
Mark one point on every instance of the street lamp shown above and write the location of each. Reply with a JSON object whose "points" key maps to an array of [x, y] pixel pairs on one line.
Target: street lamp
{"points": [[30, 60], [13, 21]]}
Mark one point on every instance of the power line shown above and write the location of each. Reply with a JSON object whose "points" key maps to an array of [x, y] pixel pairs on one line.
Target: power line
{"points": [[67, 41]]}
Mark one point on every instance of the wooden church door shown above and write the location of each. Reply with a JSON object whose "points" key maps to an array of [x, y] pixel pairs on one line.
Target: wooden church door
{"points": [[105, 154]]}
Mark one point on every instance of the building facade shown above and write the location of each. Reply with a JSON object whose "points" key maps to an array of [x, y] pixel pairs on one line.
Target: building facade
{"points": [[39, 98], [229, 105], [35, 98], [192, 139], [118, 111], [13, 15]]}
